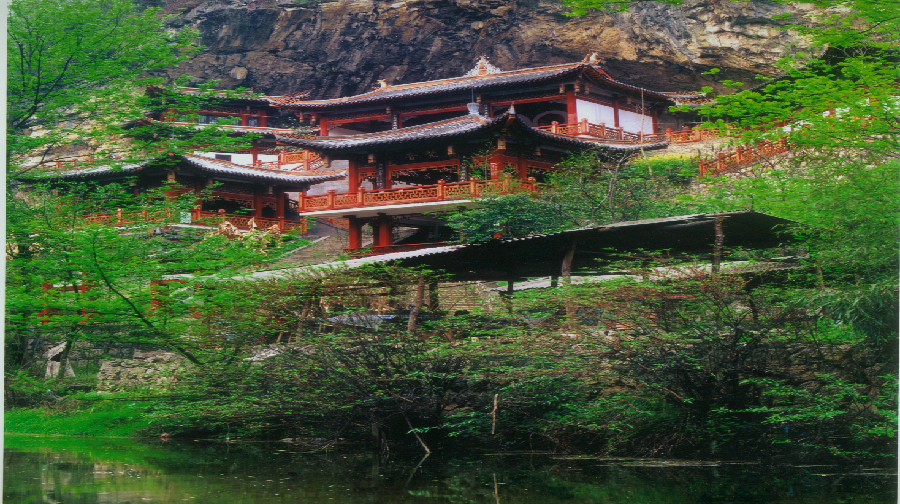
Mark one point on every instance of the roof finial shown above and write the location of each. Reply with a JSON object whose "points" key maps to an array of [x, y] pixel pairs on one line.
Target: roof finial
{"points": [[592, 59], [483, 67], [382, 83], [512, 109]]}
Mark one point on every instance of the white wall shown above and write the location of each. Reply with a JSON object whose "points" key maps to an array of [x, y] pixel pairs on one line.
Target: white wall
{"points": [[635, 123], [595, 113]]}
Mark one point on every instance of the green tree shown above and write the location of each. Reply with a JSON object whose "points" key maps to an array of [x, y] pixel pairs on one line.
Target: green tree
{"points": [[76, 72], [583, 191]]}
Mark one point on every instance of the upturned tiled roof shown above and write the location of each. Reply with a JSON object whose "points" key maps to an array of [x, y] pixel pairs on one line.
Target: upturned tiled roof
{"points": [[237, 128], [212, 166], [243, 96], [490, 79], [283, 176], [456, 127]]}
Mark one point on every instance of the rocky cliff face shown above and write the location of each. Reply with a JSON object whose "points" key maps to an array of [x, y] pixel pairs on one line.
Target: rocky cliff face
{"points": [[341, 47]]}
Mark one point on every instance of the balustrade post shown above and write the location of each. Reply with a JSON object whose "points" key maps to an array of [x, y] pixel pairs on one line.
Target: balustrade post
{"points": [[602, 130], [554, 127], [720, 162], [330, 199], [361, 196], [301, 201], [118, 216], [440, 189], [531, 183], [620, 133], [669, 134], [583, 127], [306, 160], [473, 186]]}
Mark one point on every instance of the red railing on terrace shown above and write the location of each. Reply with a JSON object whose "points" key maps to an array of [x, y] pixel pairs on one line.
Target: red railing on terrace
{"points": [[389, 249], [743, 154], [247, 222], [413, 194], [200, 218], [307, 161], [618, 134]]}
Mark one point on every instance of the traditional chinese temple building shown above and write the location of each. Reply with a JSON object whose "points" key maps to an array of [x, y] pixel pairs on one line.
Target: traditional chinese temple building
{"points": [[238, 193], [394, 156]]}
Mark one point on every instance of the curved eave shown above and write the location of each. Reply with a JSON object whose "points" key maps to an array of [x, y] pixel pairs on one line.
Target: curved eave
{"points": [[228, 127], [278, 176], [586, 142], [440, 130], [223, 94]]}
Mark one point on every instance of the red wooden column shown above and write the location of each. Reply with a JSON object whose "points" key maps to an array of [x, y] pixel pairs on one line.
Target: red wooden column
{"points": [[655, 117], [616, 112], [571, 111], [254, 151], [385, 234], [323, 126], [355, 232], [352, 175], [496, 164], [523, 168], [257, 202], [279, 207]]}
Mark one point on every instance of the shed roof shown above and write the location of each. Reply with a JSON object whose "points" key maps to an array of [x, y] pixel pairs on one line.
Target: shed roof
{"points": [[541, 255]]}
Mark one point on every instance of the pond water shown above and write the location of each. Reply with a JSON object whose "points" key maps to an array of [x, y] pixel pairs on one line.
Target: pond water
{"points": [[89, 471]]}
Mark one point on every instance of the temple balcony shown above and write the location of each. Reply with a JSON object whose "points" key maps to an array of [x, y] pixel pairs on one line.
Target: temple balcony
{"points": [[423, 194], [199, 218], [584, 128]]}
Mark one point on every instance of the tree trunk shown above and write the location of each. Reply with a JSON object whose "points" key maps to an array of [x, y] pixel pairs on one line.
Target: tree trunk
{"points": [[417, 306], [63, 357]]}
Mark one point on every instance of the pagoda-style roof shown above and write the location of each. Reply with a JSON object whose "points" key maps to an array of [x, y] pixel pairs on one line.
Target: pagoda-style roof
{"points": [[485, 76], [469, 127], [237, 128], [247, 96], [204, 164]]}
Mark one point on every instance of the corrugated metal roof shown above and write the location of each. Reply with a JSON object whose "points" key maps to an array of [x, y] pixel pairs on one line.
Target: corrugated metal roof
{"points": [[539, 255]]}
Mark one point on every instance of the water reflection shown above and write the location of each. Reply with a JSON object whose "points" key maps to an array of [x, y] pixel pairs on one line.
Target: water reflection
{"points": [[91, 471]]}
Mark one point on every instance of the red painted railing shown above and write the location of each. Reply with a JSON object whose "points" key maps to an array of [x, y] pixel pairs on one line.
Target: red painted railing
{"points": [[199, 218], [618, 134], [743, 154], [247, 222], [413, 194], [389, 249], [306, 160]]}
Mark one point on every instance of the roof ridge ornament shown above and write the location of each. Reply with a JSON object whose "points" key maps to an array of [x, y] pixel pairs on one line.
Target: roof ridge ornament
{"points": [[483, 67], [382, 84], [591, 58]]}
